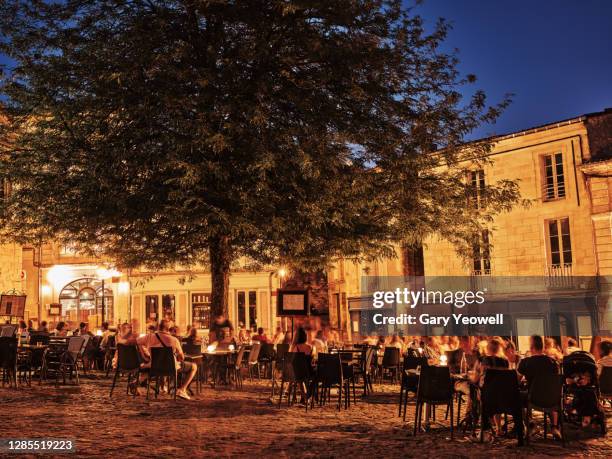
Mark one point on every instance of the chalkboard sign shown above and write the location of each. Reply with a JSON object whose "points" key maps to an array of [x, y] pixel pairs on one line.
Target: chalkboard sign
{"points": [[12, 305], [292, 303]]}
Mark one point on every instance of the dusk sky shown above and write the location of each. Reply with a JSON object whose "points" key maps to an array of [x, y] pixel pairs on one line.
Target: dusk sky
{"points": [[554, 55]]}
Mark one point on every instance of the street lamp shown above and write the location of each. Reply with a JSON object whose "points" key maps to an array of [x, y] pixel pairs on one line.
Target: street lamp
{"points": [[103, 274]]}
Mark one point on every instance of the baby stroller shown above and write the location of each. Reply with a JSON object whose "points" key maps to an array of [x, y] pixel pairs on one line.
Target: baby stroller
{"points": [[581, 390]]}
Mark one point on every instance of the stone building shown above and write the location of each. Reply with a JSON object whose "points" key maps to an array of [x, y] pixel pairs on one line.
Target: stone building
{"points": [[561, 242], [563, 168]]}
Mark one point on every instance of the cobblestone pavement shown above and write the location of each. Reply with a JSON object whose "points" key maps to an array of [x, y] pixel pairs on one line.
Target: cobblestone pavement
{"points": [[224, 422]]}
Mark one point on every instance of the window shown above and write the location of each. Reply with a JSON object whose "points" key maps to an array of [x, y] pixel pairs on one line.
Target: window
{"points": [[559, 242], [482, 255], [152, 307], [249, 321], [527, 326], [200, 312], [476, 182], [554, 180], [168, 307]]}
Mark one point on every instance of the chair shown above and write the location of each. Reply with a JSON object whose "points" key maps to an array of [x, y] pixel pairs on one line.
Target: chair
{"points": [[500, 395], [7, 331], [254, 359], [235, 368], [70, 359], [409, 381], [8, 359], [364, 369], [163, 365], [109, 353], [128, 362], [297, 372], [329, 375], [546, 395], [605, 384], [390, 362], [39, 338], [279, 358], [193, 353], [266, 357], [435, 388]]}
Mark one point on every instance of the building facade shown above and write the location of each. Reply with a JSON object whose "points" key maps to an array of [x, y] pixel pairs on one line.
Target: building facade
{"points": [[561, 243], [564, 169]]}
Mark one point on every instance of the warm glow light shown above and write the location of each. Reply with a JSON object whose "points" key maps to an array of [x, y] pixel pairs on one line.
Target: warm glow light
{"points": [[443, 360], [282, 272], [59, 276], [211, 348], [107, 273], [231, 347], [98, 332], [124, 287], [420, 350], [46, 290], [141, 335]]}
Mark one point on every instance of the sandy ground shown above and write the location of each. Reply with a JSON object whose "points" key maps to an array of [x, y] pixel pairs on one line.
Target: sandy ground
{"points": [[224, 422]]}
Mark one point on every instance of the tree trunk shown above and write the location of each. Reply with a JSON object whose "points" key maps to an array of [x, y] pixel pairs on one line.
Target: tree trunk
{"points": [[220, 260]]}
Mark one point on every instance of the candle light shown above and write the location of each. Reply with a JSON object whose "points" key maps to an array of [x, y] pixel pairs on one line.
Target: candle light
{"points": [[98, 332], [443, 360], [211, 348], [231, 347], [420, 350]]}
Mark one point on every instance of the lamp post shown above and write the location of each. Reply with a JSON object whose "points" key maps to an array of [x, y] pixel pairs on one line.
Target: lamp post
{"points": [[105, 273]]}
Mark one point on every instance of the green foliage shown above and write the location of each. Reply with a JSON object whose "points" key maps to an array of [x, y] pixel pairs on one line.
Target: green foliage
{"points": [[296, 131]]}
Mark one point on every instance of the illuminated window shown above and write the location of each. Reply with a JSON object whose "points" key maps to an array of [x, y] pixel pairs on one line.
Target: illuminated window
{"points": [[559, 242], [554, 179]]}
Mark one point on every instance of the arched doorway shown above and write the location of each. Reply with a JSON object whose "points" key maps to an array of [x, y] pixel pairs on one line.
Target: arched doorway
{"points": [[81, 301]]}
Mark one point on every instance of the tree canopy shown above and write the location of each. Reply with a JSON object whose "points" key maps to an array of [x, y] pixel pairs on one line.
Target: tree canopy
{"points": [[177, 131]]}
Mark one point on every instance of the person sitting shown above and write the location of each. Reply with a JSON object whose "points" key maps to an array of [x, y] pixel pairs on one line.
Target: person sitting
{"points": [[300, 343], [106, 332], [163, 338], [83, 330], [43, 327], [192, 337], [261, 336], [538, 363], [278, 336], [605, 353], [431, 350], [552, 350], [220, 323], [572, 346], [61, 329], [244, 335], [511, 355], [396, 341], [320, 343]]}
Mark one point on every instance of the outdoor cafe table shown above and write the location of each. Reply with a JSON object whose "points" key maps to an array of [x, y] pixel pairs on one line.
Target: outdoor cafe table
{"points": [[216, 359]]}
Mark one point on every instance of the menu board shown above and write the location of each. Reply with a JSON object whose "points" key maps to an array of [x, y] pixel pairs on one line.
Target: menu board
{"points": [[292, 303], [12, 305], [200, 310]]}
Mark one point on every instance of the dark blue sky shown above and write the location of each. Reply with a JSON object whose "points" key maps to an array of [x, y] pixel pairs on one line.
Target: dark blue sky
{"points": [[554, 55]]}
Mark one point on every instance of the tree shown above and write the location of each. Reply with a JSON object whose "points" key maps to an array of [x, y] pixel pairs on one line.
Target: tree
{"points": [[176, 131]]}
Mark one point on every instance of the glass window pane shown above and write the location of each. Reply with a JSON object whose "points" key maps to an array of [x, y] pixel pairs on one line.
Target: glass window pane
{"points": [[525, 327], [168, 309], [253, 309], [241, 308]]}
